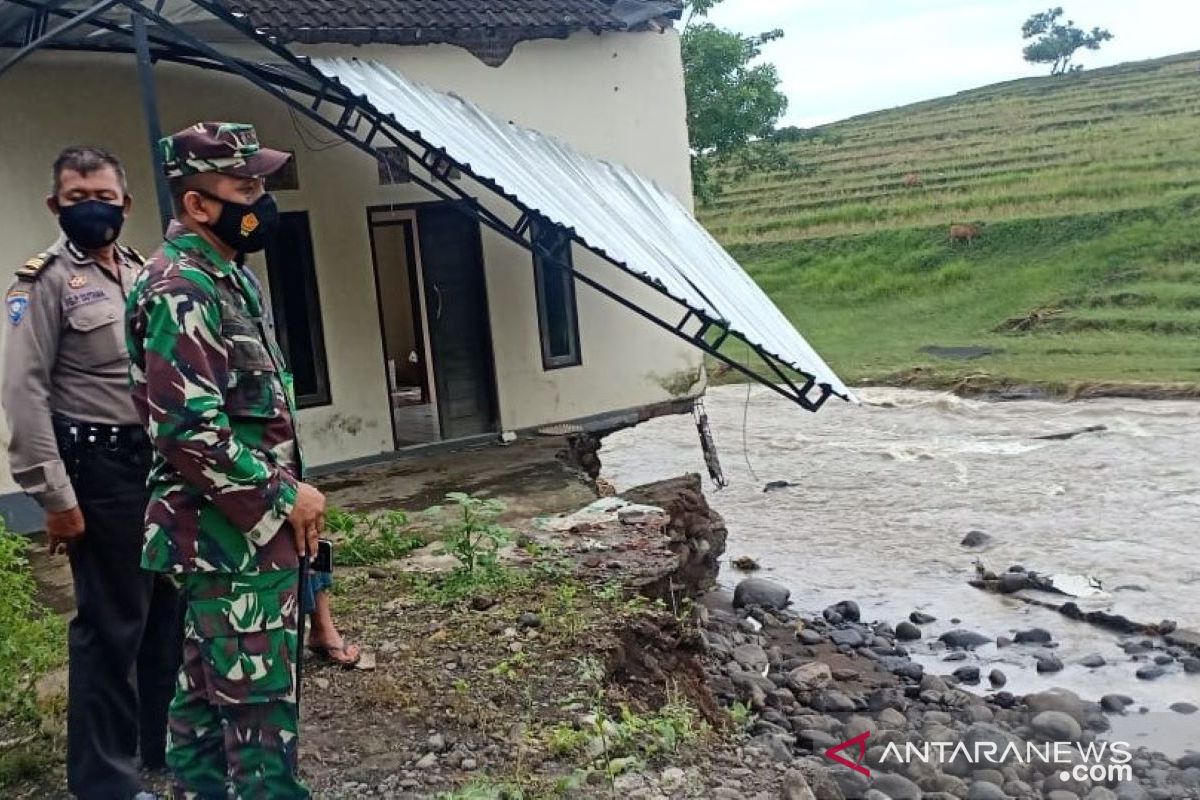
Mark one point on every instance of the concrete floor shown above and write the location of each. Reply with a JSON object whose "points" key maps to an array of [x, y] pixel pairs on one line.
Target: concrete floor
{"points": [[527, 476]]}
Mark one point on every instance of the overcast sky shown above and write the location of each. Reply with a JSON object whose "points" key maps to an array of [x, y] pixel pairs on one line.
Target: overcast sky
{"points": [[839, 58]]}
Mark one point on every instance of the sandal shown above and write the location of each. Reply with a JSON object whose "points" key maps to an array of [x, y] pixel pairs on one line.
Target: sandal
{"points": [[346, 656]]}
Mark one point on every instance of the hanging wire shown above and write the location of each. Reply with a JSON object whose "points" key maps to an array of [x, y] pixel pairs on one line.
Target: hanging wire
{"points": [[304, 136], [746, 422]]}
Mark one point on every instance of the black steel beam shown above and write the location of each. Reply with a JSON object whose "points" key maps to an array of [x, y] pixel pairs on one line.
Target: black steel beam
{"points": [[185, 45], [150, 110], [71, 24]]}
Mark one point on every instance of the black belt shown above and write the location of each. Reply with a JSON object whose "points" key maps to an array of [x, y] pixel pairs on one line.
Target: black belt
{"points": [[76, 433]]}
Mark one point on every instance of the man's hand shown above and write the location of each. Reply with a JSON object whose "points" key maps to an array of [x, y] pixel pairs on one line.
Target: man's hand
{"points": [[62, 527], [307, 519]]}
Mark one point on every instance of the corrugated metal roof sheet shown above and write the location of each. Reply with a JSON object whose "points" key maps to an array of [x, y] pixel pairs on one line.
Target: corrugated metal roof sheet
{"points": [[610, 207]]}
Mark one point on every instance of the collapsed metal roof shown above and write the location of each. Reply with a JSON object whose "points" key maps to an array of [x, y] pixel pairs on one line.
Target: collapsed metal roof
{"points": [[626, 220], [609, 207]]}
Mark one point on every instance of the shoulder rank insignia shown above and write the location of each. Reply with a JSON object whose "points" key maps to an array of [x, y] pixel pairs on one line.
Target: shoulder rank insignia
{"points": [[133, 255], [33, 267]]}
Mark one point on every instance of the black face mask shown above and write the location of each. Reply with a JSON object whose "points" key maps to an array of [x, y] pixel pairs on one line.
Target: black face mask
{"points": [[246, 228], [91, 224]]}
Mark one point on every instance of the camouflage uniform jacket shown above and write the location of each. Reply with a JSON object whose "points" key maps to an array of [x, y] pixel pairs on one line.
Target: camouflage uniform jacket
{"points": [[210, 386]]}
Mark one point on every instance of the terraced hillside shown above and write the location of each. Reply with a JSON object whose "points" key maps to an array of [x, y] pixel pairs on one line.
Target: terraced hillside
{"points": [[1086, 269]]}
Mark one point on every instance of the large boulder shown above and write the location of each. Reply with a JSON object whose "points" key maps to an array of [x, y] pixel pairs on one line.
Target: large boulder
{"points": [[814, 675], [1056, 726], [959, 639], [763, 593]]}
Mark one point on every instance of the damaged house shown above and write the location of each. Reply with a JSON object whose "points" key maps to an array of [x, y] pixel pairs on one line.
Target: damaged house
{"points": [[487, 223]]}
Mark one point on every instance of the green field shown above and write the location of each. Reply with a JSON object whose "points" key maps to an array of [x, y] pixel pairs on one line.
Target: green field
{"points": [[1087, 268]]}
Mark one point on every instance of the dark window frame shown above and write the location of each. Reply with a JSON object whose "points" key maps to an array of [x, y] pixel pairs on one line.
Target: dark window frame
{"points": [[305, 274], [543, 272]]}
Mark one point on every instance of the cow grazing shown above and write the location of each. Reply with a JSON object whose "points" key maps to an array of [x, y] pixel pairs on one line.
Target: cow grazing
{"points": [[964, 233], [912, 180]]}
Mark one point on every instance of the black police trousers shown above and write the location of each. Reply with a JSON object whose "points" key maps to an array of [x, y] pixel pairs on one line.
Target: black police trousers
{"points": [[125, 641]]}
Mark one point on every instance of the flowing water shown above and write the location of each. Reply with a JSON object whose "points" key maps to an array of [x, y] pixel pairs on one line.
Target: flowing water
{"points": [[883, 493]]}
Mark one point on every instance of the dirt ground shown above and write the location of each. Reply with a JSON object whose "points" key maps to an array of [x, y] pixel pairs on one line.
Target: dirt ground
{"points": [[491, 694]]}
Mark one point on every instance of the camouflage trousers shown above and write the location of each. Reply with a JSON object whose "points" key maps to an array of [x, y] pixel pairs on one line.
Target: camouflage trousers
{"points": [[234, 720]]}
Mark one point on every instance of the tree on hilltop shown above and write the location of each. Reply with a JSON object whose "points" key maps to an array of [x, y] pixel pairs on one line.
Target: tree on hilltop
{"points": [[1056, 43]]}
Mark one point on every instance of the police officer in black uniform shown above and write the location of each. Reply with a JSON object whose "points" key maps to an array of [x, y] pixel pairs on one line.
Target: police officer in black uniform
{"points": [[79, 449]]}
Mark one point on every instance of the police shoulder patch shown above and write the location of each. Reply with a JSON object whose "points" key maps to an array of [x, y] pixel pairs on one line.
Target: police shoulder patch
{"points": [[17, 303], [34, 266]]}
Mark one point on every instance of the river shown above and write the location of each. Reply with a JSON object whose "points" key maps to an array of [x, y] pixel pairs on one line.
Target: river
{"points": [[883, 493]]}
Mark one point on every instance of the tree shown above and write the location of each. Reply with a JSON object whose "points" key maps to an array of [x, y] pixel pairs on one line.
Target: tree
{"points": [[1056, 44], [733, 104]]}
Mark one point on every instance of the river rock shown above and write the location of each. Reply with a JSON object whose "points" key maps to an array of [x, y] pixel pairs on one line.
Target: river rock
{"points": [[896, 787], [1013, 582], [795, 787], [1094, 661], [1191, 665], [1033, 636], [809, 637], [815, 740], [1164, 659], [963, 640], [976, 539], [1061, 794], [776, 745], [990, 775], [833, 702], [921, 618], [1137, 648], [1150, 673], [853, 784], [983, 732], [1183, 708], [1101, 793], [1048, 663], [983, 790], [761, 592], [751, 656], [847, 637], [848, 610], [1114, 703], [1062, 700], [997, 678], [907, 632], [814, 675], [1132, 790], [1055, 726], [968, 674], [1019, 789], [820, 780]]}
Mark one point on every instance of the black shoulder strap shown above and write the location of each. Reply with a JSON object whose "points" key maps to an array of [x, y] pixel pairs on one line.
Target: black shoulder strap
{"points": [[34, 266], [133, 255]]}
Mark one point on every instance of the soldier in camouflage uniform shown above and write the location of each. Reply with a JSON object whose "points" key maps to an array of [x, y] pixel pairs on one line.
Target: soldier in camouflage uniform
{"points": [[228, 515]]}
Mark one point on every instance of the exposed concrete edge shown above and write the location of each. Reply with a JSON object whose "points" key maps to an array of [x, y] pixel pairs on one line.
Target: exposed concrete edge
{"points": [[23, 515]]}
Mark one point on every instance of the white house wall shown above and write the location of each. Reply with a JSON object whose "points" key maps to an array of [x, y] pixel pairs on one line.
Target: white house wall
{"points": [[615, 96]]}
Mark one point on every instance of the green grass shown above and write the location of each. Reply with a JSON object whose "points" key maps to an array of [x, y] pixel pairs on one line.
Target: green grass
{"points": [[1088, 188]]}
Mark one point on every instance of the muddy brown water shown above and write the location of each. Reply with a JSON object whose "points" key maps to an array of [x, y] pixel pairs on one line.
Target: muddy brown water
{"points": [[883, 493]]}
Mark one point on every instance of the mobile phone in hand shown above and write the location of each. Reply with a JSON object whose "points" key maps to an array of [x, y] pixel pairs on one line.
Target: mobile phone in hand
{"points": [[323, 561]]}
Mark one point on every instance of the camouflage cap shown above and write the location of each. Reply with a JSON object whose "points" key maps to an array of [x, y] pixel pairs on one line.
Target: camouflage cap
{"points": [[231, 148]]}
